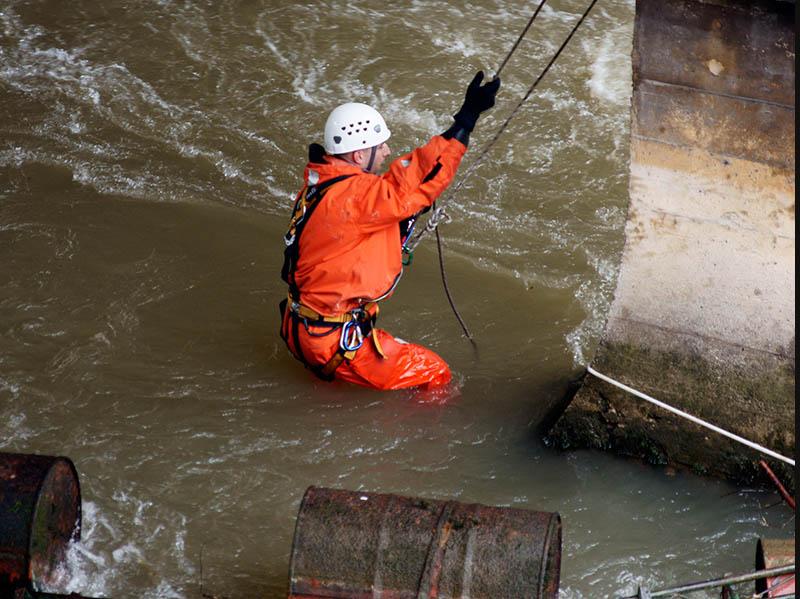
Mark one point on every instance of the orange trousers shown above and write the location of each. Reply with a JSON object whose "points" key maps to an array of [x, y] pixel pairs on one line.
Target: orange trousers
{"points": [[401, 366]]}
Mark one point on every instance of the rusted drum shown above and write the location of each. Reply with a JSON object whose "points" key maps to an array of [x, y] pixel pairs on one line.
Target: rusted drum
{"points": [[354, 544], [774, 553], [30, 594], [40, 511]]}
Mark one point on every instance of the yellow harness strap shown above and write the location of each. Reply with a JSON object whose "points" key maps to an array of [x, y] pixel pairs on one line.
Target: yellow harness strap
{"points": [[306, 312], [335, 362], [310, 314], [374, 335], [339, 356]]}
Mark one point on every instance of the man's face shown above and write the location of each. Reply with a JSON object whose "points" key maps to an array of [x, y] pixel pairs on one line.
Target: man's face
{"points": [[381, 154], [361, 157]]}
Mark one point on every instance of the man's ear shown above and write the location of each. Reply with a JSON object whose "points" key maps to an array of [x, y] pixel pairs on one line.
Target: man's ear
{"points": [[358, 157]]}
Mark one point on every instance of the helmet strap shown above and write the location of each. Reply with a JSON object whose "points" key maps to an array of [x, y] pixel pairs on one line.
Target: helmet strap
{"points": [[373, 150]]}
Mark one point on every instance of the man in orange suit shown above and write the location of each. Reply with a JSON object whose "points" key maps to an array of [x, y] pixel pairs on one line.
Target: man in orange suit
{"points": [[344, 244]]}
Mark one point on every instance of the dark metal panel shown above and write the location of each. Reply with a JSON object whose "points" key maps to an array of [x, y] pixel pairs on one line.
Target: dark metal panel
{"points": [[744, 49], [722, 125]]}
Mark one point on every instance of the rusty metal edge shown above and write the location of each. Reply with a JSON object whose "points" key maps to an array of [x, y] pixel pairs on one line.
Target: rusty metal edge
{"points": [[555, 524], [429, 577], [79, 521], [77, 534], [300, 511]]}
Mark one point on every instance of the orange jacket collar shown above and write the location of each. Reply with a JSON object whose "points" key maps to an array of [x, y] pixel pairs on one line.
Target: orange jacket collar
{"points": [[332, 167]]}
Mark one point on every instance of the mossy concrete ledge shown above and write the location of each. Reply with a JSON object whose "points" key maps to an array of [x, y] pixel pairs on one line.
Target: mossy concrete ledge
{"points": [[753, 398], [703, 314]]}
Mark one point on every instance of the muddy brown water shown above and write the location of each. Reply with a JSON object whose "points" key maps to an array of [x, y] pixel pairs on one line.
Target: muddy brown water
{"points": [[148, 157]]}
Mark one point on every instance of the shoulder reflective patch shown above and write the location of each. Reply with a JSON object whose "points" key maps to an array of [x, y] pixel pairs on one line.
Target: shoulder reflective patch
{"points": [[313, 177], [405, 162]]}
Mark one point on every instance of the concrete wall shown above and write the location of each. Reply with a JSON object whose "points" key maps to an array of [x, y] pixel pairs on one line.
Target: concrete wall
{"points": [[703, 313]]}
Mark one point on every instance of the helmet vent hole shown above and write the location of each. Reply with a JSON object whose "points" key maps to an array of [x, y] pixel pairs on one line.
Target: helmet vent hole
{"points": [[343, 128]]}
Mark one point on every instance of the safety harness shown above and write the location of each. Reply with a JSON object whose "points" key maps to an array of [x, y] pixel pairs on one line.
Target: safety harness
{"points": [[354, 326]]}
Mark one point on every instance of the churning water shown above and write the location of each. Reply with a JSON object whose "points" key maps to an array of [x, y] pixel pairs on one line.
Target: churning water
{"points": [[149, 155]]}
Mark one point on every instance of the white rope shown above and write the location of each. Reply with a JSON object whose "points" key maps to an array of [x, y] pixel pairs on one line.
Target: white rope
{"points": [[694, 419]]}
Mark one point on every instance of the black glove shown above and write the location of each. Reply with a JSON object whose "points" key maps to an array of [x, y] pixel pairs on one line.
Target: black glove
{"points": [[479, 98]]}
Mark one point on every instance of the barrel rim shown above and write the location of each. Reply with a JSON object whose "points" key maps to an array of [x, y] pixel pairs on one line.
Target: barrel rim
{"points": [[554, 528], [76, 535], [300, 510]]}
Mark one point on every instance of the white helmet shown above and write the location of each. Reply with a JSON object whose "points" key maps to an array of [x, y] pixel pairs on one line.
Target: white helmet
{"points": [[354, 126]]}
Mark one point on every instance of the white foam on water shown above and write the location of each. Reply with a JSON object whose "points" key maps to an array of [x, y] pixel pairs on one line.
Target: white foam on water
{"points": [[111, 179], [13, 430], [229, 168], [610, 79], [110, 93], [551, 14], [127, 552], [402, 110], [285, 62], [87, 570], [192, 33], [97, 564], [460, 44], [14, 156]]}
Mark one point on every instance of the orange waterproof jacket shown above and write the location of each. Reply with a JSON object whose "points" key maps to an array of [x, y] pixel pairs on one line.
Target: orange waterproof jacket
{"points": [[350, 251]]}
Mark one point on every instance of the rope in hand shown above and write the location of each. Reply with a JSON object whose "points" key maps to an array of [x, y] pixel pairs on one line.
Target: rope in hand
{"points": [[519, 39], [439, 213]]}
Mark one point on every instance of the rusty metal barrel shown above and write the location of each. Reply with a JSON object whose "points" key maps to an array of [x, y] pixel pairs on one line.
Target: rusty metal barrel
{"points": [[40, 512], [356, 544]]}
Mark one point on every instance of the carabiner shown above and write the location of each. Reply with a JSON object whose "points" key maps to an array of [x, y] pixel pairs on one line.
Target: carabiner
{"points": [[352, 338], [408, 257]]}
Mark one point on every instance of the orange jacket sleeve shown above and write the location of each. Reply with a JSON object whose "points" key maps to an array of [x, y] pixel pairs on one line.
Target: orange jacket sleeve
{"points": [[413, 182]]}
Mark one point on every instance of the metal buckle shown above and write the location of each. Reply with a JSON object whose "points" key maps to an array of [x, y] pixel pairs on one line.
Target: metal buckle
{"points": [[351, 338]]}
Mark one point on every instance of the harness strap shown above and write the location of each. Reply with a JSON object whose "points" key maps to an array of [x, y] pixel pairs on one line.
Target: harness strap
{"points": [[364, 318], [377, 344], [307, 201], [326, 372], [370, 308]]}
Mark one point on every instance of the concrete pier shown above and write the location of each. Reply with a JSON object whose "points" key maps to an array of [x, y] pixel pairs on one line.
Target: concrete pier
{"points": [[703, 313]]}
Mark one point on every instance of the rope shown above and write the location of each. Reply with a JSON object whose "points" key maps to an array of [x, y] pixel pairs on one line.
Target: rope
{"points": [[442, 216], [691, 418], [438, 214], [447, 290], [519, 39]]}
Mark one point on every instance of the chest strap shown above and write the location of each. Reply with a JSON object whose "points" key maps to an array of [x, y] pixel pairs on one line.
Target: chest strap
{"points": [[307, 201]]}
